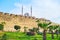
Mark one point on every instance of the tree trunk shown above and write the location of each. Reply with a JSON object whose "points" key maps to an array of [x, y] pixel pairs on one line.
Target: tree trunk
{"points": [[52, 35], [57, 33], [44, 35]]}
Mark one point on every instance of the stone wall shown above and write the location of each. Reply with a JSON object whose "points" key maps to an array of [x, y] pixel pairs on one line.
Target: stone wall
{"points": [[12, 19]]}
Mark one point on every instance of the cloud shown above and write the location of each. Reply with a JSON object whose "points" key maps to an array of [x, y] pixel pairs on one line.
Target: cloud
{"points": [[48, 9]]}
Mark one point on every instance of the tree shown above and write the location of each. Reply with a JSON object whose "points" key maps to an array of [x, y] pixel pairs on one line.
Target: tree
{"points": [[59, 29], [38, 25], [52, 27], [17, 27], [1, 27], [57, 32], [44, 25]]}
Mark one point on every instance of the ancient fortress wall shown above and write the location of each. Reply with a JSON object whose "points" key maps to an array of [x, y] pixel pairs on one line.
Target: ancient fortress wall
{"points": [[20, 20]]}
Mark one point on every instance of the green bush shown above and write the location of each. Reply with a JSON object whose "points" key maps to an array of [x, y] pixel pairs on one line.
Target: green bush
{"points": [[1, 26], [17, 27], [4, 37]]}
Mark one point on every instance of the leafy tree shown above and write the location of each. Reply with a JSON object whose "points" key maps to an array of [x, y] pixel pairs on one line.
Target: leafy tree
{"points": [[1, 27], [38, 25], [52, 27], [17, 27], [58, 32], [59, 29], [44, 25]]}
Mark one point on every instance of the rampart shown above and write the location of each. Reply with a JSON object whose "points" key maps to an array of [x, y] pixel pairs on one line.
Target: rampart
{"points": [[12, 19]]}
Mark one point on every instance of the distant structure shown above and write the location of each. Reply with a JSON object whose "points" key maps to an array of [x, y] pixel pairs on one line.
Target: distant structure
{"points": [[31, 11], [26, 14], [22, 10]]}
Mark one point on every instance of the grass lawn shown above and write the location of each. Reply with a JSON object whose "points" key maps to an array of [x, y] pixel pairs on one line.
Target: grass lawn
{"points": [[22, 36]]}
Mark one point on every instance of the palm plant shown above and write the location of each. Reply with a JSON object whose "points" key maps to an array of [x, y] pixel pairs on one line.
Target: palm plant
{"points": [[52, 27], [38, 25], [44, 25], [57, 30]]}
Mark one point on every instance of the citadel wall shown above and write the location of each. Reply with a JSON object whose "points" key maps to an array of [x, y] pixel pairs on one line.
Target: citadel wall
{"points": [[20, 20]]}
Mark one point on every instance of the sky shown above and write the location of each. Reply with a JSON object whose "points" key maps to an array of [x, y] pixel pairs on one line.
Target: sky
{"points": [[49, 9]]}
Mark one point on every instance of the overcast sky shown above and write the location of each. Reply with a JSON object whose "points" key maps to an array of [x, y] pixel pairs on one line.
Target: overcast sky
{"points": [[49, 9]]}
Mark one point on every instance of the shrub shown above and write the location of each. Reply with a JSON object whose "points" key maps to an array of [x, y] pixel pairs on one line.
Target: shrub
{"points": [[30, 33], [17, 27], [39, 33], [4, 37], [1, 26], [35, 39]]}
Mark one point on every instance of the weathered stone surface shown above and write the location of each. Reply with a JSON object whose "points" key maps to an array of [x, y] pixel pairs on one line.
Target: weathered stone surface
{"points": [[20, 20]]}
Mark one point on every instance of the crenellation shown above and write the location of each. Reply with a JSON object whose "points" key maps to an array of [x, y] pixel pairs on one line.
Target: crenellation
{"points": [[16, 15], [11, 14], [29, 17], [33, 17], [37, 18], [20, 15], [1, 13], [6, 13], [25, 16]]}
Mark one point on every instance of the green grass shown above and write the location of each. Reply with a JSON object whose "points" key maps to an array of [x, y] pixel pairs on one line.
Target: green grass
{"points": [[22, 36]]}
